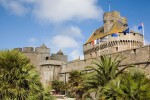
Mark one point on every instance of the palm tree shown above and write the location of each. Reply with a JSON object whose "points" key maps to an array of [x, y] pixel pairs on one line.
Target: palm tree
{"points": [[104, 70], [133, 85], [75, 84], [19, 80]]}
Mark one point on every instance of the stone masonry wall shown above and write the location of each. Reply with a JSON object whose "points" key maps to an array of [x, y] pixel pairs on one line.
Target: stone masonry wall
{"points": [[137, 56]]}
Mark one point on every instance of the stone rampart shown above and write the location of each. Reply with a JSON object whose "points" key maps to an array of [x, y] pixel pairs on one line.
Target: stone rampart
{"points": [[132, 56]]}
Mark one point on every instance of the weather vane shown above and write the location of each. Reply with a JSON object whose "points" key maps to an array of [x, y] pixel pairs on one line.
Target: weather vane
{"points": [[109, 5]]}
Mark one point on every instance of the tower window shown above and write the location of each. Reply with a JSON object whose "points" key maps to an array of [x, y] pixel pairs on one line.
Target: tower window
{"points": [[47, 58], [90, 55], [134, 50], [96, 53], [116, 48]]}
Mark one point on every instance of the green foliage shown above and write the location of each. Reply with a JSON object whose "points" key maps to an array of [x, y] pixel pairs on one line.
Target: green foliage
{"points": [[104, 70], [19, 80], [47, 95], [133, 85], [58, 86], [76, 85]]}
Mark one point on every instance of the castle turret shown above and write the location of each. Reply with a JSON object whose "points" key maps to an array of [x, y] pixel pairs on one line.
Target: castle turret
{"points": [[42, 49], [59, 56], [110, 18]]}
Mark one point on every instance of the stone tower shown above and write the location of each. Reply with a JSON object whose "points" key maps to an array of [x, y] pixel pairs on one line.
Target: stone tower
{"points": [[102, 41], [110, 18]]}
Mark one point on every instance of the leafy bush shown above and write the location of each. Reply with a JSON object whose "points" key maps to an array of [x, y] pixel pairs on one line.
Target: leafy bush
{"points": [[19, 79]]}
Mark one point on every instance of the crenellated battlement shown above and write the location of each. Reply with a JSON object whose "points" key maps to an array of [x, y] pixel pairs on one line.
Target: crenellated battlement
{"points": [[134, 56], [43, 49]]}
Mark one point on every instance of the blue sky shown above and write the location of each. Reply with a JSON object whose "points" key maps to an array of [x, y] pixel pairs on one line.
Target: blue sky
{"points": [[63, 24]]}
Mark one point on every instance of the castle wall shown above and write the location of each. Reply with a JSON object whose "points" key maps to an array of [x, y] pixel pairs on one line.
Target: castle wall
{"points": [[137, 56]]}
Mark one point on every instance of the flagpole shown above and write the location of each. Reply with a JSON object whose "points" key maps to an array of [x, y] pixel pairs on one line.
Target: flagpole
{"points": [[143, 34], [109, 6], [99, 47], [118, 42]]}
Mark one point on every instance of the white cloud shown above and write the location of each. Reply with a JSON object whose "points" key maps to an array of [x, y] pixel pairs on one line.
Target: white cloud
{"points": [[67, 38], [65, 10], [61, 41], [32, 40], [69, 41], [76, 54], [27, 1], [55, 11], [14, 6], [72, 31]]}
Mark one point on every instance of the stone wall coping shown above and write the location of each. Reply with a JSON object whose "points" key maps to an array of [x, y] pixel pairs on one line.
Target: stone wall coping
{"points": [[51, 62]]}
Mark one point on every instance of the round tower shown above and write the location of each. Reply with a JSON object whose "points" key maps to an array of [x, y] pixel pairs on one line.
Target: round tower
{"points": [[113, 37]]}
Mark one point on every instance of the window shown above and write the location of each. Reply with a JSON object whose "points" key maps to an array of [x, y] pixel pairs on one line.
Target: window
{"points": [[90, 55], [134, 50], [116, 48], [96, 53], [47, 58]]}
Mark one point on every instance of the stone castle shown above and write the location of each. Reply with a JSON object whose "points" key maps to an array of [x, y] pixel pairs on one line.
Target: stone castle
{"points": [[112, 39]]}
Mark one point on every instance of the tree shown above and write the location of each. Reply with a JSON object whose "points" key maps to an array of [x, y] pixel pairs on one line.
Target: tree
{"points": [[104, 70], [58, 86], [75, 84], [133, 85], [19, 79]]}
